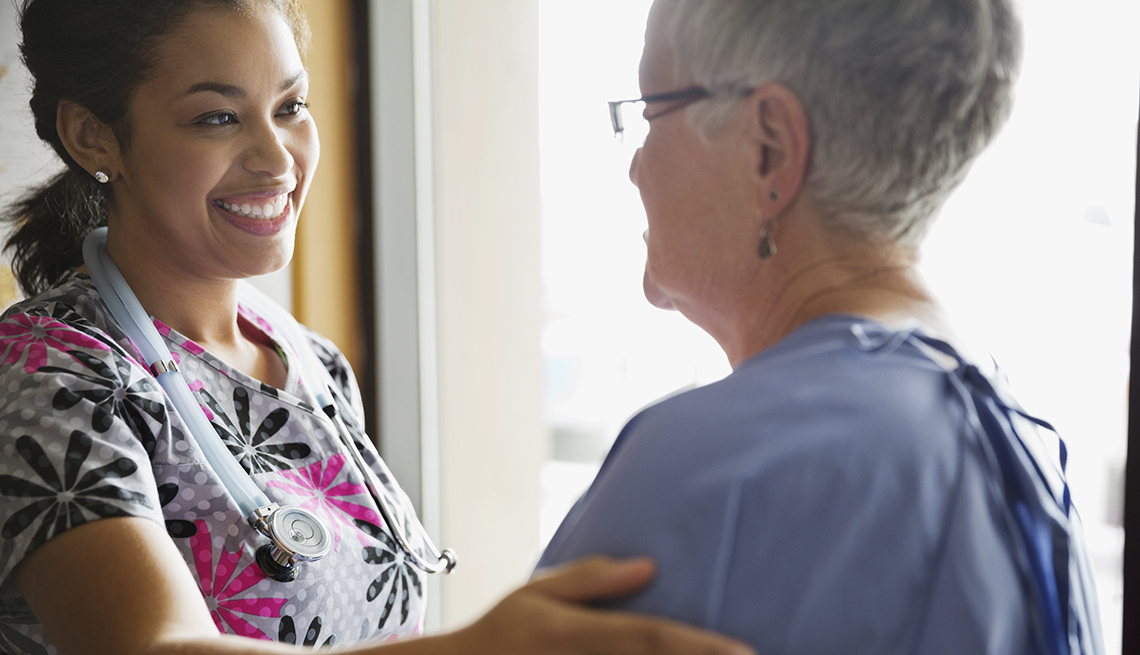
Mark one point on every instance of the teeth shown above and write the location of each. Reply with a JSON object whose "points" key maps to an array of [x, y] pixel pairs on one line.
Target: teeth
{"points": [[269, 210]]}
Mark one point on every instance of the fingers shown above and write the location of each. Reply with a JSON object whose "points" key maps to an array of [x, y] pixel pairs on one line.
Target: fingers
{"points": [[545, 618], [581, 630], [594, 578]]}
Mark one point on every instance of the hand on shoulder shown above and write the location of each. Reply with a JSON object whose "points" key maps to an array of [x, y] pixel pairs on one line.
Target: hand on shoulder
{"points": [[547, 616]]}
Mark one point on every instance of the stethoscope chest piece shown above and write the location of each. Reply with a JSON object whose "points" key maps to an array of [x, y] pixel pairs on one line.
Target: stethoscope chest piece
{"points": [[297, 535]]}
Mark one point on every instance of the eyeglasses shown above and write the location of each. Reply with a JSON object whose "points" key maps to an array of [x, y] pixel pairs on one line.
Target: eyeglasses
{"points": [[631, 121]]}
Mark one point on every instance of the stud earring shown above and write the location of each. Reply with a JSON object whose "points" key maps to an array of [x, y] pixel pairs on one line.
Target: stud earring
{"points": [[767, 246], [101, 176], [775, 195]]}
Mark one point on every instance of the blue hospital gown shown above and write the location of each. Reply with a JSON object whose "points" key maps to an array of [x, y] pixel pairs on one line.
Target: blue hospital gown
{"points": [[826, 497]]}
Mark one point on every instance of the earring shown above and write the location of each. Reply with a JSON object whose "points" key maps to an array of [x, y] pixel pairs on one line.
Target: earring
{"points": [[775, 195], [767, 246], [101, 176]]}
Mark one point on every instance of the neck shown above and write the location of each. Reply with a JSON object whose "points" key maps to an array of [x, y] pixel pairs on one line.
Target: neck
{"points": [[201, 309], [197, 304], [862, 279]]}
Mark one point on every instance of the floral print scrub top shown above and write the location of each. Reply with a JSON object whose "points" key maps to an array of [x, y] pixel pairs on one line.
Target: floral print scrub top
{"points": [[86, 433]]}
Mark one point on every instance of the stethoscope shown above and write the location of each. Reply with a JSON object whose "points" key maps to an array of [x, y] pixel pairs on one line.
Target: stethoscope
{"points": [[295, 534]]}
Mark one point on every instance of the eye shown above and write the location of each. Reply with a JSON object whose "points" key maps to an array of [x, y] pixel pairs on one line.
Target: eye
{"points": [[220, 119], [293, 108]]}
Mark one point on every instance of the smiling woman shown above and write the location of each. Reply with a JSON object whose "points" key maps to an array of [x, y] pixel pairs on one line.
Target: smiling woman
{"points": [[217, 125], [138, 492]]}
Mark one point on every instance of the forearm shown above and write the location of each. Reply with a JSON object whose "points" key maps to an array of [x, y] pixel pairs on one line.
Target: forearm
{"points": [[119, 587], [233, 645]]}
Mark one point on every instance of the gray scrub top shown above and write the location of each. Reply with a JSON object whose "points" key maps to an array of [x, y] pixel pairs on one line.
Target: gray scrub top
{"points": [[86, 433]]}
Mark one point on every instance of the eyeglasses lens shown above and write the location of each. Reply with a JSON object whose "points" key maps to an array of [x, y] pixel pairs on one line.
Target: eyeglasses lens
{"points": [[630, 125]]}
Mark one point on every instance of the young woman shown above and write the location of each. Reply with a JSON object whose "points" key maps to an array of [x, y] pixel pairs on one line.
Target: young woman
{"points": [[184, 131]]}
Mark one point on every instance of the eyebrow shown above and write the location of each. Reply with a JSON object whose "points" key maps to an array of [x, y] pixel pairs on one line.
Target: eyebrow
{"points": [[234, 91]]}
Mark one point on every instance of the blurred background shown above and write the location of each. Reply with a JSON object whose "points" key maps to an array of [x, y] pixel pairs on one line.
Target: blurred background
{"points": [[473, 244]]}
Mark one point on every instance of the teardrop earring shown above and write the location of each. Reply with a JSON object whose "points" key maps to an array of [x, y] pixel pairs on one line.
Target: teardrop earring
{"points": [[767, 246]]}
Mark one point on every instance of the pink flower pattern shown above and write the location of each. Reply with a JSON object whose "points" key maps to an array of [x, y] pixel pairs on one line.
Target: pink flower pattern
{"points": [[196, 386], [33, 335], [219, 587], [256, 319], [315, 481], [189, 344]]}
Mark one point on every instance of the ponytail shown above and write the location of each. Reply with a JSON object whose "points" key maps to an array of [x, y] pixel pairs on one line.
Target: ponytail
{"points": [[48, 227]]}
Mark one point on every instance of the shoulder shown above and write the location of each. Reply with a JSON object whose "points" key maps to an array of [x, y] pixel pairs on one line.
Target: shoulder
{"points": [[821, 472], [821, 427], [61, 328], [330, 355], [64, 368], [79, 420], [822, 392], [344, 385]]}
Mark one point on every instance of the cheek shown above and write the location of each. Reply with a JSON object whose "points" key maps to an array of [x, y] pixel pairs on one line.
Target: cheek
{"points": [[700, 222], [656, 182], [306, 152], [173, 170], [677, 197], [674, 169], [308, 149]]}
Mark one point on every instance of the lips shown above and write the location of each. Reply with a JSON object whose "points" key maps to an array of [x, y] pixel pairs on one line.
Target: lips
{"points": [[262, 214], [266, 206], [267, 211]]}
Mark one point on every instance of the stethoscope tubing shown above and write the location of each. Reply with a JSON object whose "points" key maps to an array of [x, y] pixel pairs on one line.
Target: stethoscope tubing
{"points": [[436, 560], [251, 501], [110, 283]]}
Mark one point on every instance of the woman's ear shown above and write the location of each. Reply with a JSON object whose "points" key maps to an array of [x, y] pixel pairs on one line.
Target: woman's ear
{"points": [[89, 141], [784, 140]]}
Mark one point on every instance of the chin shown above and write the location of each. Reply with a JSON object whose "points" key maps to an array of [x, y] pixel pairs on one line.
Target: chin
{"points": [[266, 263], [654, 294]]}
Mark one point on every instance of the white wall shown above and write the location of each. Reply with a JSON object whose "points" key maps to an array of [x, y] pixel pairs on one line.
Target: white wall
{"points": [[491, 435]]}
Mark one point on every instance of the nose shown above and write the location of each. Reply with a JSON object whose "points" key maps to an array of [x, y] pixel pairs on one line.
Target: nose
{"points": [[269, 152], [633, 166]]}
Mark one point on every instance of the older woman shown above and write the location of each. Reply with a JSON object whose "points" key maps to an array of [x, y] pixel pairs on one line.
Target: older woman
{"points": [[855, 485]]}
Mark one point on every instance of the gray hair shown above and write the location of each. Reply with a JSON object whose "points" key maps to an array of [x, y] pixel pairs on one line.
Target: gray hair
{"points": [[901, 95]]}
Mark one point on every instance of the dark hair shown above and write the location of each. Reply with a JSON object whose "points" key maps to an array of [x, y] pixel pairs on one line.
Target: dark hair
{"points": [[94, 53]]}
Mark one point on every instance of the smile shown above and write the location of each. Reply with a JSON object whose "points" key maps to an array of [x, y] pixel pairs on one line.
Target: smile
{"points": [[266, 208]]}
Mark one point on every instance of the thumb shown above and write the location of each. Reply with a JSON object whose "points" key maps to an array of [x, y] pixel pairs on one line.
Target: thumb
{"points": [[594, 578]]}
